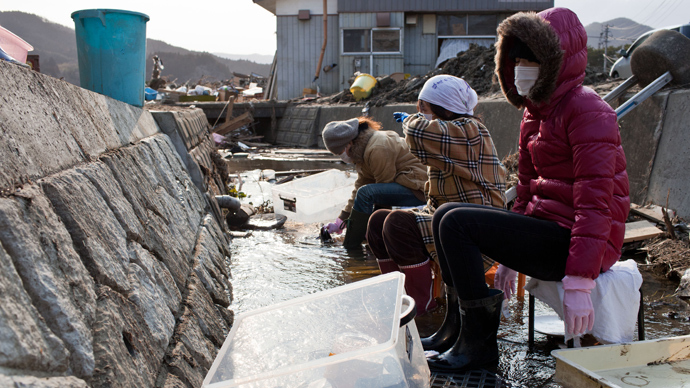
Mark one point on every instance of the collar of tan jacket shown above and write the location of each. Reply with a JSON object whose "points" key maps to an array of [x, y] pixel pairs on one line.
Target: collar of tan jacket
{"points": [[359, 145]]}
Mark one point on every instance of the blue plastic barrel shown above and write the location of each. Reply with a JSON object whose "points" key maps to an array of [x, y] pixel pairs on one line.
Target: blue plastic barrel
{"points": [[111, 47]]}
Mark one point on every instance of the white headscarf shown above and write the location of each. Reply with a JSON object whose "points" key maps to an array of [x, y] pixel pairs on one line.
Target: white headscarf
{"points": [[449, 92]]}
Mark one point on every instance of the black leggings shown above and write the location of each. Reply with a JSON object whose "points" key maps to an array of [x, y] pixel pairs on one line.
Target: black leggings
{"points": [[463, 232]]}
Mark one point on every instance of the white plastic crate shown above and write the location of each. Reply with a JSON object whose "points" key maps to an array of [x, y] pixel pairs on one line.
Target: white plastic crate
{"points": [[316, 198], [346, 337]]}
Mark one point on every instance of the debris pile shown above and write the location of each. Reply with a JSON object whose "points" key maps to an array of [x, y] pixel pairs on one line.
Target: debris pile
{"points": [[510, 162], [242, 87], [476, 66]]}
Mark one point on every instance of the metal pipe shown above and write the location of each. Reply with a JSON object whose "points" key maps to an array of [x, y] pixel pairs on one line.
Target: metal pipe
{"points": [[228, 202], [325, 39]]}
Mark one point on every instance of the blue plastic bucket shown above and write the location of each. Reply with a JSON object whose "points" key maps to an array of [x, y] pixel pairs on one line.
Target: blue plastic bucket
{"points": [[111, 47]]}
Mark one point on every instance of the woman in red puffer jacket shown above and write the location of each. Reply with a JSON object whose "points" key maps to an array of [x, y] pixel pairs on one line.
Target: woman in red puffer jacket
{"points": [[568, 220]]}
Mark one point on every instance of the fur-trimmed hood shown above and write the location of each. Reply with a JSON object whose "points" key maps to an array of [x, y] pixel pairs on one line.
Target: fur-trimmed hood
{"points": [[558, 40]]}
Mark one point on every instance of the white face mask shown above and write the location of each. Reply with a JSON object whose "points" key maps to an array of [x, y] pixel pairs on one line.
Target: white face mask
{"points": [[345, 157], [427, 116], [525, 77]]}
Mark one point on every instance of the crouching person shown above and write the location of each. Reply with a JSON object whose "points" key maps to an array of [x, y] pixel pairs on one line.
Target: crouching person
{"points": [[387, 173]]}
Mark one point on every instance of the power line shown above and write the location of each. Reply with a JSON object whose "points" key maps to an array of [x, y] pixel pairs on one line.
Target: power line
{"points": [[642, 11], [654, 13], [669, 11]]}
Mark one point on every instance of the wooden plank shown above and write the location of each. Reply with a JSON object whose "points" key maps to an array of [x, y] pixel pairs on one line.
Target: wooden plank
{"points": [[640, 230], [651, 212], [236, 122]]}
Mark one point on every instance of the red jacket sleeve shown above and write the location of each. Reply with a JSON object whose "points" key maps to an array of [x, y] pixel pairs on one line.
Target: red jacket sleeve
{"points": [[593, 135]]}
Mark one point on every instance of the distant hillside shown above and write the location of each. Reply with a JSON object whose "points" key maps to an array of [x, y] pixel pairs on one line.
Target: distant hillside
{"points": [[258, 58], [622, 31], [57, 48]]}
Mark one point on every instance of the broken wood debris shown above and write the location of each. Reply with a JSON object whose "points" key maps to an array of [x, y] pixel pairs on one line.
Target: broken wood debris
{"points": [[235, 123], [640, 230], [651, 212]]}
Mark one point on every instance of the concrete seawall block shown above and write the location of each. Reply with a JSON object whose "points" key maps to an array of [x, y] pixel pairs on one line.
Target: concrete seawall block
{"points": [[159, 275], [98, 237], [186, 129], [40, 382], [150, 301], [50, 125], [28, 344], [209, 266], [52, 272], [123, 347]]}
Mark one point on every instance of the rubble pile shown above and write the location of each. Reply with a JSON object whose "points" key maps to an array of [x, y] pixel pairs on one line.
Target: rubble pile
{"points": [[476, 66]]}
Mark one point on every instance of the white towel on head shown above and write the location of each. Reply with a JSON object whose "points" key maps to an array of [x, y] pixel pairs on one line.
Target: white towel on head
{"points": [[616, 300], [449, 92]]}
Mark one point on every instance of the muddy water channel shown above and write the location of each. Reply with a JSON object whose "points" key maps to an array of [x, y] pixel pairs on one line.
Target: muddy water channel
{"points": [[272, 266]]}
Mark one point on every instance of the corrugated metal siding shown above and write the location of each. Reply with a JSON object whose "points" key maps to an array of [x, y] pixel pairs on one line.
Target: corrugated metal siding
{"points": [[383, 64], [420, 49], [441, 5], [299, 47]]}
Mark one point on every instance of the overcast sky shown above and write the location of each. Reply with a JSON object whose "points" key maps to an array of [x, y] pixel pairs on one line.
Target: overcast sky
{"points": [[242, 27]]}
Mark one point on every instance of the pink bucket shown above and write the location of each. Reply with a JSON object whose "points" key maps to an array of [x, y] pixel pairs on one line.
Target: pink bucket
{"points": [[13, 45]]}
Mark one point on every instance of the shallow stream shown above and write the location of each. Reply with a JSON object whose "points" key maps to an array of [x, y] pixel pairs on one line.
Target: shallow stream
{"points": [[269, 267]]}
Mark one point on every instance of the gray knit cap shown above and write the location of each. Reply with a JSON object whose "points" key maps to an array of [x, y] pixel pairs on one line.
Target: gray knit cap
{"points": [[337, 134]]}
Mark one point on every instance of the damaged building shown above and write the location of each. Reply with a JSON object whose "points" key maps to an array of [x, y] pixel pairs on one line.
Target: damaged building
{"points": [[377, 37]]}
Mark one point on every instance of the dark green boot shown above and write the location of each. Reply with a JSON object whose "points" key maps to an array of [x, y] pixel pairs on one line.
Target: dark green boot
{"points": [[356, 230]]}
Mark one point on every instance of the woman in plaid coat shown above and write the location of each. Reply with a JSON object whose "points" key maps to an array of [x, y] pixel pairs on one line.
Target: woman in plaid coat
{"points": [[462, 166]]}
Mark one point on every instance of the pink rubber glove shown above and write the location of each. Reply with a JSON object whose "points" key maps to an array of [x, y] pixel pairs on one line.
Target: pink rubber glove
{"points": [[577, 304], [336, 226], [504, 280]]}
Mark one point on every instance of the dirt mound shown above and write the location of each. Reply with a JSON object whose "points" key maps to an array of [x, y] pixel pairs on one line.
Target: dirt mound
{"points": [[476, 66]]}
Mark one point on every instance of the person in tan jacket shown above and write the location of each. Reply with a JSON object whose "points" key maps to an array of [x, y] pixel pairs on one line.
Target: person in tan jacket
{"points": [[387, 173]]}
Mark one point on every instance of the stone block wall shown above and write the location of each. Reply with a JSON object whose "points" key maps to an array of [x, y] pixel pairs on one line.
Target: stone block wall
{"points": [[113, 267]]}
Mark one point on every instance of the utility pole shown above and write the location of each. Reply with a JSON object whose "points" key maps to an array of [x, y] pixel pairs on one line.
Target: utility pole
{"points": [[605, 36]]}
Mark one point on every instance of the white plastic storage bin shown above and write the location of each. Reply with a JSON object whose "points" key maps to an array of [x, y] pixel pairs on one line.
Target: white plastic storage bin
{"points": [[346, 337], [315, 198]]}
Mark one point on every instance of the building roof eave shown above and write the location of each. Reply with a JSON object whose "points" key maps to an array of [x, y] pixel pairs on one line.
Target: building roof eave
{"points": [[269, 5]]}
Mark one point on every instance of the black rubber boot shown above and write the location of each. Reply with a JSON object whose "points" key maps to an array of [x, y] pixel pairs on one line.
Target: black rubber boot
{"points": [[449, 331], [356, 230], [476, 345]]}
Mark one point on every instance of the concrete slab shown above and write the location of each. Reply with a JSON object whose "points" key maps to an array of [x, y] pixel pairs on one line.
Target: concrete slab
{"points": [[670, 174]]}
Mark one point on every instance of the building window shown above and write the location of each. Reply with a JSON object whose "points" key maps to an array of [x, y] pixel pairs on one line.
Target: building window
{"points": [[463, 25], [452, 25], [482, 24], [375, 40], [356, 41], [385, 41]]}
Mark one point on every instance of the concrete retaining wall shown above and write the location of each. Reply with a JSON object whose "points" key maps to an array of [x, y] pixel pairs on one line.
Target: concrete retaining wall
{"points": [[668, 167], [113, 268]]}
